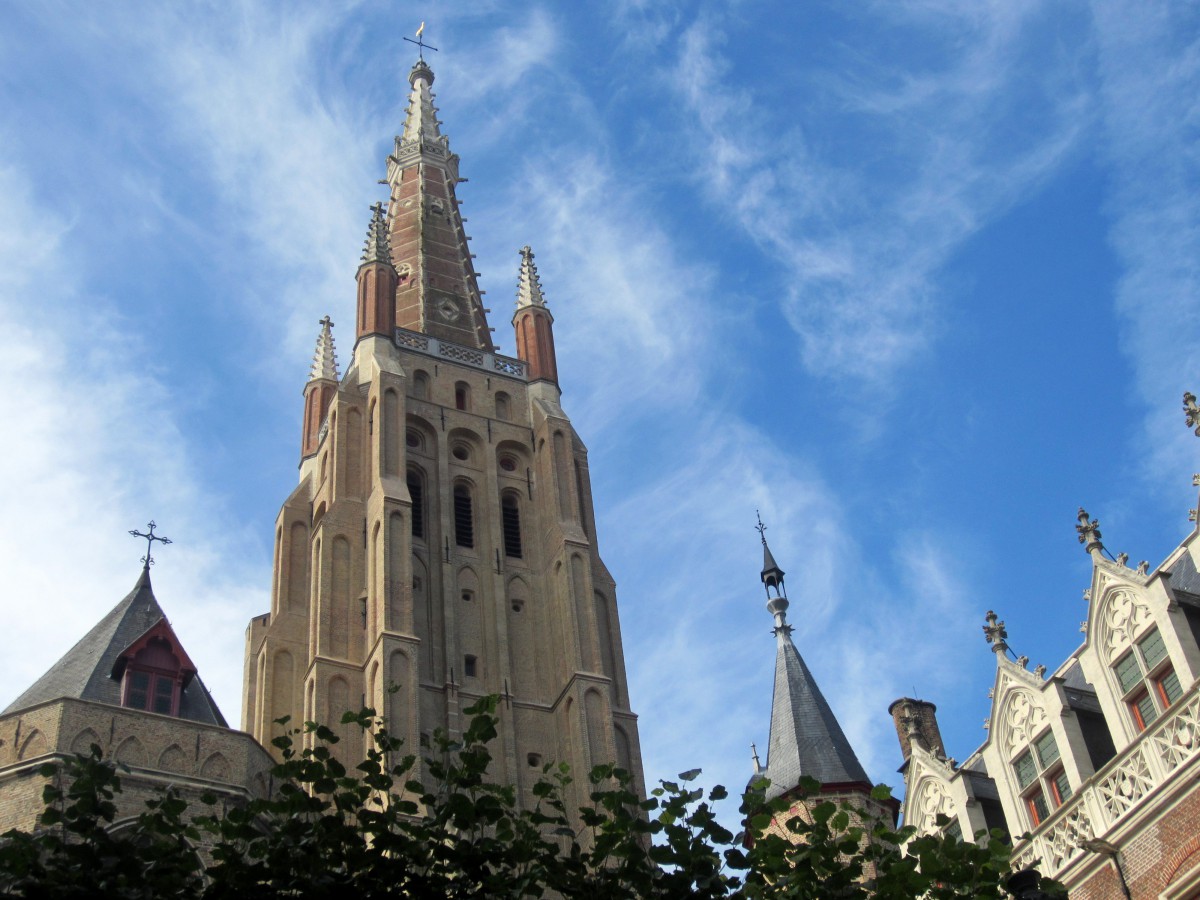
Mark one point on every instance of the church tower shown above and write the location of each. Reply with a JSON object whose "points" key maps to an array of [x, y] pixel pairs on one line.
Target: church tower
{"points": [[441, 544]]}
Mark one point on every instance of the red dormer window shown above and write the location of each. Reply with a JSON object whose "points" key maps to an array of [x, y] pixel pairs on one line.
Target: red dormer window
{"points": [[152, 679], [154, 670]]}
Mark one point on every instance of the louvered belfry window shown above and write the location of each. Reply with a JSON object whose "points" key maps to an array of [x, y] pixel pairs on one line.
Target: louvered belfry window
{"points": [[510, 516], [464, 526], [417, 493]]}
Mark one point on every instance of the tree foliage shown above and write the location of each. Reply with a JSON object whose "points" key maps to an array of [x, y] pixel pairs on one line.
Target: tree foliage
{"points": [[393, 828]]}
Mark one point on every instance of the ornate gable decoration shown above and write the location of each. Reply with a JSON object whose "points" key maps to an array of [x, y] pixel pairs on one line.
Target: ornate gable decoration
{"points": [[930, 796], [932, 800], [1122, 614], [1018, 713]]}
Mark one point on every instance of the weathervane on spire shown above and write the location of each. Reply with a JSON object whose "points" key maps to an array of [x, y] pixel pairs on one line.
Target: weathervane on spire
{"points": [[420, 42], [150, 537], [760, 528]]}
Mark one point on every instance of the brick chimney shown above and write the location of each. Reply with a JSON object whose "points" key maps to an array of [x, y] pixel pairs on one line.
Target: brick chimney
{"points": [[916, 722]]}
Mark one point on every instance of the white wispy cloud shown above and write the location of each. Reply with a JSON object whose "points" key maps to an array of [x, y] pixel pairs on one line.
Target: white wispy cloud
{"points": [[1149, 68], [861, 238], [98, 451]]}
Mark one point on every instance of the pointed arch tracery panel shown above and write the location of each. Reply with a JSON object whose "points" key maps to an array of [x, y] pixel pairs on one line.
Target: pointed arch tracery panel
{"points": [[339, 605], [282, 702], [393, 433], [297, 566], [1123, 615]]}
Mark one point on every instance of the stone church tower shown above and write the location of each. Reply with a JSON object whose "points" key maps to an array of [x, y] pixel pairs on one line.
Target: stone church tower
{"points": [[441, 544]]}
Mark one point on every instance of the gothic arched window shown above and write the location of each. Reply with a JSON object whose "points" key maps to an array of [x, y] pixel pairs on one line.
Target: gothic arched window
{"points": [[1148, 681]]}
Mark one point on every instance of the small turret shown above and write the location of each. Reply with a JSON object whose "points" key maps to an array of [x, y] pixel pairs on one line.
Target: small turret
{"points": [[319, 392], [376, 281], [533, 323], [806, 739]]}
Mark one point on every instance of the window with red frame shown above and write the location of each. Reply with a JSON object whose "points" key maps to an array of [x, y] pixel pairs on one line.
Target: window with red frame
{"points": [[1042, 779], [152, 679], [1148, 681]]}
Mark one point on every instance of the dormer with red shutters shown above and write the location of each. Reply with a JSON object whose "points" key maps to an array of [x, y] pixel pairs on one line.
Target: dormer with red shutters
{"points": [[154, 671]]}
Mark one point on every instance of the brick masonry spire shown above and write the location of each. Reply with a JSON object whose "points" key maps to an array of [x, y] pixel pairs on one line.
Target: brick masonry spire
{"points": [[437, 288]]}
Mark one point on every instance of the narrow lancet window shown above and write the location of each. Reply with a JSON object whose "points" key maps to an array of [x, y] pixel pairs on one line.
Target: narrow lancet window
{"points": [[511, 520], [417, 493], [464, 526]]}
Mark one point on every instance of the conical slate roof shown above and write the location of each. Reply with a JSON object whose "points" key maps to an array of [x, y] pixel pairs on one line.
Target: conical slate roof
{"points": [[806, 738], [85, 672]]}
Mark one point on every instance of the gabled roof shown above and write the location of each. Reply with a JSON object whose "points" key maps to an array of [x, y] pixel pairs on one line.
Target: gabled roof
{"points": [[86, 672], [806, 738]]}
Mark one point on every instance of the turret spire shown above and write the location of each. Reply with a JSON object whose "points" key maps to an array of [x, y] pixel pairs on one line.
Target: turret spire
{"points": [[324, 366], [319, 392], [376, 248], [806, 739], [533, 323], [529, 285]]}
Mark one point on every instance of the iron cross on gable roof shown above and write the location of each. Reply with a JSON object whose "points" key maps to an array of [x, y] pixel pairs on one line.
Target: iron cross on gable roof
{"points": [[150, 537]]}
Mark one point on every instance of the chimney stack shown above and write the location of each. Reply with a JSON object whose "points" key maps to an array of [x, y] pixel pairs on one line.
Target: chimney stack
{"points": [[916, 722]]}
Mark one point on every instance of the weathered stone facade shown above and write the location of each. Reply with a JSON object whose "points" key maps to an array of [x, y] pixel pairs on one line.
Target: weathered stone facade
{"points": [[193, 757]]}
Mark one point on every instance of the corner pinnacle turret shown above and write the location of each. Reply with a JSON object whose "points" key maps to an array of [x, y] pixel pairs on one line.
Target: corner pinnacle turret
{"points": [[324, 365], [320, 390], [533, 323], [529, 285]]}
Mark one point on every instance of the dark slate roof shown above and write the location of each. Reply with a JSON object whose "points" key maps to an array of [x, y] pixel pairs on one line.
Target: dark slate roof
{"points": [[84, 673], [1080, 693], [1184, 576], [806, 738]]}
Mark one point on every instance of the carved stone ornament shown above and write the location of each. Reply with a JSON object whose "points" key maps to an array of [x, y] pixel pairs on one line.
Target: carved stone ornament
{"points": [[932, 801], [1023, 717], [447, 309], [1125, 614]]}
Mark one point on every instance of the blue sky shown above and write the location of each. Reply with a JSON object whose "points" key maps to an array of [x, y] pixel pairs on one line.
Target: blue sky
{"points": [[916, 279]]}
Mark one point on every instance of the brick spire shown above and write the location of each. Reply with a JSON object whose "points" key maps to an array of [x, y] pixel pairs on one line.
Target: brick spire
{"points": [[437, 288], [533, 323]]}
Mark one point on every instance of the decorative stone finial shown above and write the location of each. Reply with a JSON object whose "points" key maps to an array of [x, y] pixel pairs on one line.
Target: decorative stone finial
{"points": [[772, 575], [1039, 670], [1143, 568], [376, 248], [994, 633], [1191, 412], [1123, 559], [529, 285], [324, 365], [1089, 532]]}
